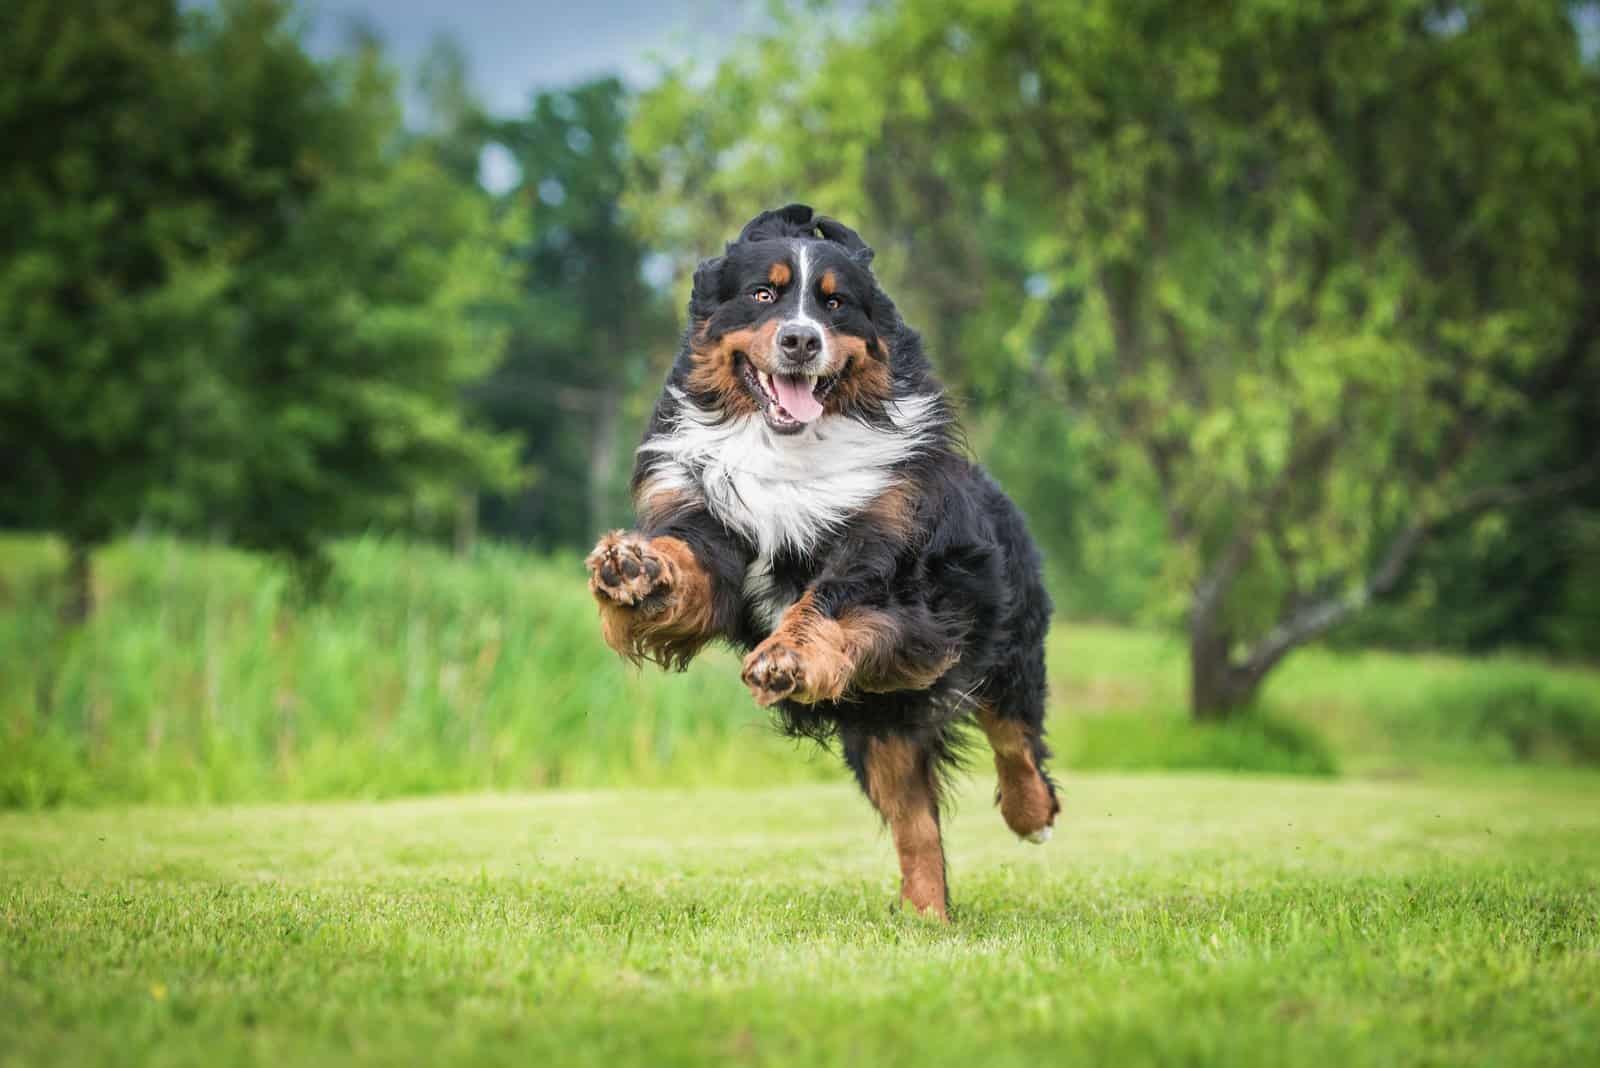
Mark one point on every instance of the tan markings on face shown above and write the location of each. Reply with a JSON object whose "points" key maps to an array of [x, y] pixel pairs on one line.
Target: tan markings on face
{"points": [[829, 283], [1026, 802], [900, 784], [866, 378], [780, 274], [716, 371], [673, 631]]}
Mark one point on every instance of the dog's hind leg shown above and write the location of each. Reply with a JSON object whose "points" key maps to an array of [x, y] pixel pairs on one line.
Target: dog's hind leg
{"points": [[899, 775], [1026, 795]]}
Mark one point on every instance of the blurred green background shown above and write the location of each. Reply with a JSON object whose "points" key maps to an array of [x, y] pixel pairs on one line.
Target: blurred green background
{"points": [[325, 343]]}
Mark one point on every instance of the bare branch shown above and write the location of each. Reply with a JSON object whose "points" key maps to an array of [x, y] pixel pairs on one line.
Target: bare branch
{"points": [[1312, 453], [1163, 460], [1512, 494], [1312, 621]]}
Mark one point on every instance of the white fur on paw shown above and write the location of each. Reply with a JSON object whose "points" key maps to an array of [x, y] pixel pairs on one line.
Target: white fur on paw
{"points": [[1040, 837]]}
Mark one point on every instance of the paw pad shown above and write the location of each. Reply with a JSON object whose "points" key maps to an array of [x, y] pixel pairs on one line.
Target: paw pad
{"points": [[623, 569], [772, 673]]}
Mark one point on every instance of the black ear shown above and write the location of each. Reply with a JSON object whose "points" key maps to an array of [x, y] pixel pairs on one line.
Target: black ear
{"points": [[707, 287], [788, 221], [708, 277], [840, 234], [798, 220], [881, 310]]}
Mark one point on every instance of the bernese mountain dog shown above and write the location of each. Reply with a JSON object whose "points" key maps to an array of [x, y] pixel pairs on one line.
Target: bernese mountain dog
{"points": [[803, 494]]}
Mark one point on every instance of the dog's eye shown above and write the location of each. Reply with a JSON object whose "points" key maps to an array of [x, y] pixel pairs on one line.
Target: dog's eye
{"points": [[763, 294], [834, 303]]}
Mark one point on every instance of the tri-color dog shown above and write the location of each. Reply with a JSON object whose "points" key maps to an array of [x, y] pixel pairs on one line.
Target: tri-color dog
{"points": [[802, 494]]}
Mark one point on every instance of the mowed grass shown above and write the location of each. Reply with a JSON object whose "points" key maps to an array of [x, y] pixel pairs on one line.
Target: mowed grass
{"points": [[1180, 919]]}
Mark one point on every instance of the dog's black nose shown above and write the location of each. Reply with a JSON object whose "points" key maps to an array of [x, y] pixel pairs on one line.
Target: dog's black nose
{"points": [[799, 343]]}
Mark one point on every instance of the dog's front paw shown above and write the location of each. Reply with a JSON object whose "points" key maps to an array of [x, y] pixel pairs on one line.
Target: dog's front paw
{"points": [[625, 571], [774, 671], [780, 669]]}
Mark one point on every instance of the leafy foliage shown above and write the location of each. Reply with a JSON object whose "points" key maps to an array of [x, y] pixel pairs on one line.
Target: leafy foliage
{"points": [[589, 336], [229, 300], [1325, 277]]}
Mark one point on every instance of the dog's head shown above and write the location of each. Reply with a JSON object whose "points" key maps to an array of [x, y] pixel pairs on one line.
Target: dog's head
{"points": [[789, 322]]}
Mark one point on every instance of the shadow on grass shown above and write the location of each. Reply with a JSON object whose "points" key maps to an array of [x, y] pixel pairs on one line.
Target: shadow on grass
{"points": [[1256, 741]]}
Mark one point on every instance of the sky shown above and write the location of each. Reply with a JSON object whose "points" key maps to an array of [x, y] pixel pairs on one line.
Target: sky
{"points": [[517, 48]]}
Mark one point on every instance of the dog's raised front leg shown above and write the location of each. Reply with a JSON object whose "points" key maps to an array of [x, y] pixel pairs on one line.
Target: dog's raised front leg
{"points": [[656, 600]]}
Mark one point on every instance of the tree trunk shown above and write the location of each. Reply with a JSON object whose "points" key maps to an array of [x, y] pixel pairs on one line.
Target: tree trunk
{"points": [[1221, 686], [78, 602], [1218, 688]]}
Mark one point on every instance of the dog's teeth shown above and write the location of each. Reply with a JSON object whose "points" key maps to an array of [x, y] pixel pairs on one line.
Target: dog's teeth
{"points": [[813, 380]]}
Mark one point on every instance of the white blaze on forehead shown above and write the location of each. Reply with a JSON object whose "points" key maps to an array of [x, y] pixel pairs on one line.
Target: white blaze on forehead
{"points": [[801, 317]]}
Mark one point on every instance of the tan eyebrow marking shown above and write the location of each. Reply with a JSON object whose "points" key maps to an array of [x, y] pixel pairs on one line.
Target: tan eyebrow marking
{"points": [[780, 274], [829, 283]]}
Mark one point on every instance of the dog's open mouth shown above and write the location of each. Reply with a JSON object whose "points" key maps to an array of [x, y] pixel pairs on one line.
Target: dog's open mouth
{"points": [[788, 402]]}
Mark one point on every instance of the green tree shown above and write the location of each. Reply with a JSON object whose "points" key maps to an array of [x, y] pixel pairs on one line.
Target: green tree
{"points": [[1327, 274], [588, 334], [228, 300], [871, 143]]}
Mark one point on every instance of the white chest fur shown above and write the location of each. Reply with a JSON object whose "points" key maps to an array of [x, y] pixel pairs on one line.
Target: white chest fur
{"points": [[786, 492], [761, 593]]}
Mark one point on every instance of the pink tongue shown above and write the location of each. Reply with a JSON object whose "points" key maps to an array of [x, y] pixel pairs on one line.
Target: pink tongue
{"points": [[796, 396]]}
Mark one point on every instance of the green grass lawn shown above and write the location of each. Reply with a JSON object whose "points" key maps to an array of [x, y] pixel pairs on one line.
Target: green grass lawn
{"points": [[1174, 918]]}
